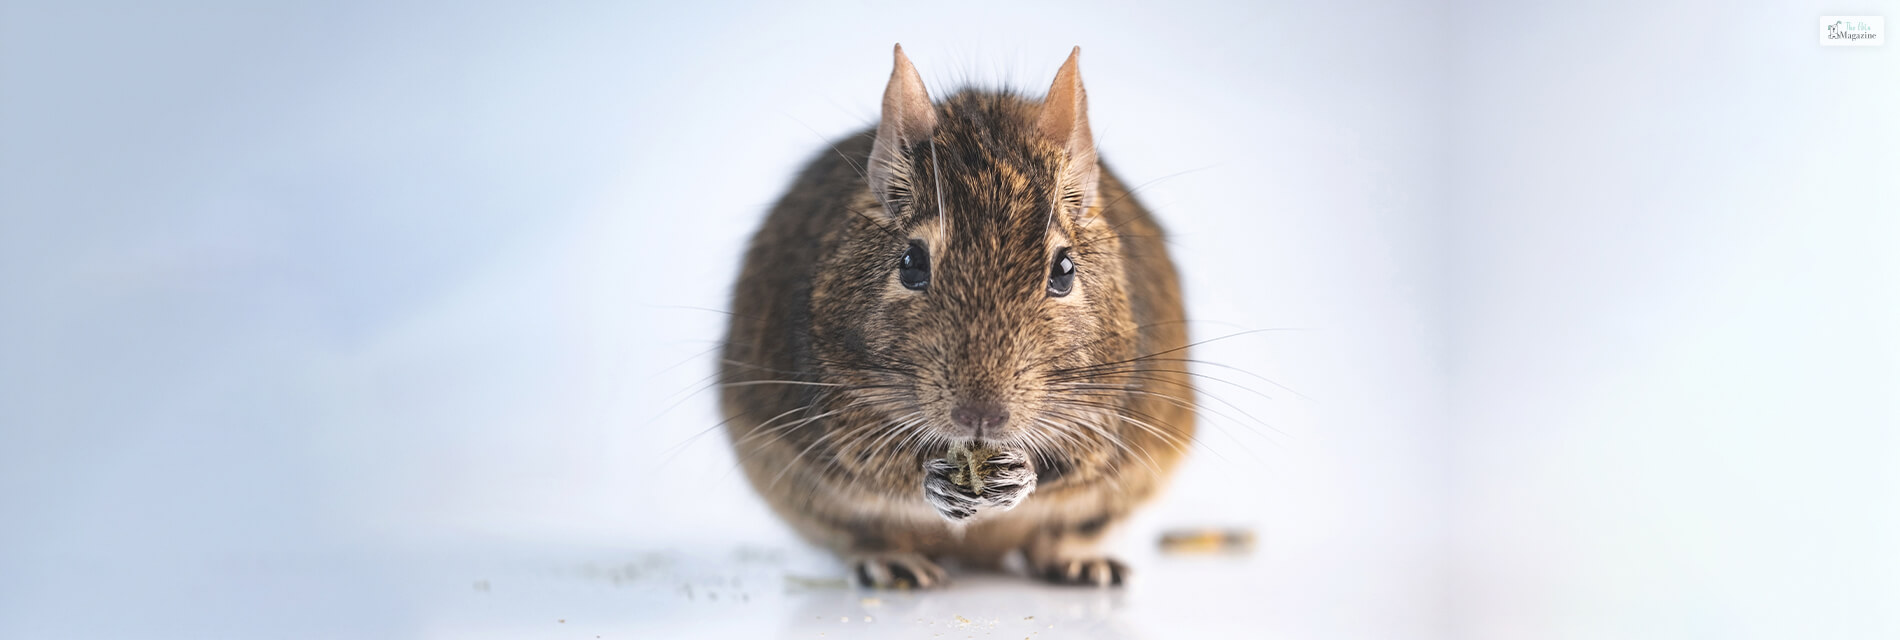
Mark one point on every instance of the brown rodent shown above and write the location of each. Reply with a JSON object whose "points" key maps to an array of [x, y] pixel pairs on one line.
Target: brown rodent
{"points": [[964, 277]]}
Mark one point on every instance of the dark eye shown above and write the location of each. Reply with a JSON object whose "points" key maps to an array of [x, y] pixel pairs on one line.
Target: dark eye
{"points": [[914, 268], [1061, 274]]}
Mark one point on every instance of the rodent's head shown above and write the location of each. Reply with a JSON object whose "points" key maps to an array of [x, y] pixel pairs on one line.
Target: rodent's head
{"points": [[979, 277]]}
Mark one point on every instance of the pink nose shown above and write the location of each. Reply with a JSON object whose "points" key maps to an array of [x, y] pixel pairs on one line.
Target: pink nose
{"points": [[979, 416]]}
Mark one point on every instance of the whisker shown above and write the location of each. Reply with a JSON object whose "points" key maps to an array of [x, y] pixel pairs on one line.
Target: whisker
{"points": [[1132, 369], [1201, 411], [1195, 344], [1201, 392], [793, 464], [748, 383]]}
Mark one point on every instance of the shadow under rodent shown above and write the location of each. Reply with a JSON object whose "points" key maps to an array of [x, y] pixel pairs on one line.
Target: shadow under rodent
{"points": [[958, 335]]}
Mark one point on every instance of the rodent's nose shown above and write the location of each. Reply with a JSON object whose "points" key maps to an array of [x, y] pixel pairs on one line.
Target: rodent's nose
{"points": [[979, 416]]}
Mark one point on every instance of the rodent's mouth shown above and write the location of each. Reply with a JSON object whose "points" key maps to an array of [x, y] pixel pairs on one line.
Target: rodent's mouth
{"points": [[981, 437], [987, 438]]}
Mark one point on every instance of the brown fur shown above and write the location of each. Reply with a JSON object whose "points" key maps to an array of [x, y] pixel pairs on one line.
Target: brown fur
{"points": [[839, 381]]}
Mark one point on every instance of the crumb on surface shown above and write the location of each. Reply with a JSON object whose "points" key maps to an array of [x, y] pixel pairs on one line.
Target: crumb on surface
{"points": [[798, 582], [1207, 541]]}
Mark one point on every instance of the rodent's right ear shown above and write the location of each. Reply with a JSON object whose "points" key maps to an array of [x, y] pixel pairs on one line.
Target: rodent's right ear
{"points": [[908, 118]]}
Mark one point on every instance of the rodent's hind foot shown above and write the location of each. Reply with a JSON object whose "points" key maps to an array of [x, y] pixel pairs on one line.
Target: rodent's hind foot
{"points": [[1099, 572], [897, 570]]}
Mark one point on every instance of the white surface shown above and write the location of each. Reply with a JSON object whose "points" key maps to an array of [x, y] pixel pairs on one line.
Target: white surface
{"points": [[1676, 321], [317, 317]]}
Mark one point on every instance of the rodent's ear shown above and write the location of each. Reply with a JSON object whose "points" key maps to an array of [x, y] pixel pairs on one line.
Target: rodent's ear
{"points": [[908, 118], [1065, 121]]}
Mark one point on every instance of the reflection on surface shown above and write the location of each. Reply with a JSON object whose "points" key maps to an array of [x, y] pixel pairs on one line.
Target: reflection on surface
{"points": [[802, 593], [1000, 605], [756, 591]]}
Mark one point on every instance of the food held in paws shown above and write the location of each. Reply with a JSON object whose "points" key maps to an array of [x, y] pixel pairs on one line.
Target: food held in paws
{"points": [[973, 465]]}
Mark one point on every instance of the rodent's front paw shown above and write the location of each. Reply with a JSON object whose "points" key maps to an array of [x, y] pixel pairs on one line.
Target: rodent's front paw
{"points": [[959, 488], [1011, 478], [951, 500]]}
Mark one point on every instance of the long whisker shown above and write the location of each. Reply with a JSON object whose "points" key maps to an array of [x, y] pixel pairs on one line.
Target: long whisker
{"points": [[1202, 411], [748, 383], [1127, 415], [1192, 345], [1147, 377], [1133, 370], [1123, 446], [676, 449], [793, 464], [1210, 363]]}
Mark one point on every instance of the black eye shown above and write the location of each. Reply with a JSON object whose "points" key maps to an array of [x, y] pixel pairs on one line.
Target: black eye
{"points": [[1061, 274], [914, 268]]}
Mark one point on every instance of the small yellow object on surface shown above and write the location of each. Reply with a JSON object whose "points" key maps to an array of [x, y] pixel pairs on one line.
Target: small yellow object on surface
{"points": [[1207, 541]]}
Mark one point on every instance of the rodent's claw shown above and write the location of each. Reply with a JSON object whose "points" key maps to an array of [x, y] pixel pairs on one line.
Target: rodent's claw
{"points": [[1099, 572], [951, 500], [897, 570]]}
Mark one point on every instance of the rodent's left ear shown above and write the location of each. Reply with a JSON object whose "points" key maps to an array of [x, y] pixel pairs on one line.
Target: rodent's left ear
{"points": [[1065, 121], [908, 119]]}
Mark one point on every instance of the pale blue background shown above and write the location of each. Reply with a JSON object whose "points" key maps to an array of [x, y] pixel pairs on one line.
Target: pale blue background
{"points": [[315, 315]]}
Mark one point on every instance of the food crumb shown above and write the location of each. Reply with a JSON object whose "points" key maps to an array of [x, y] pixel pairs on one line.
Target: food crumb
{"points": [[562, 621], [870, 602], [867, 618], [804, 583], [1029, 617], [844, 618], [1234, 541]]}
